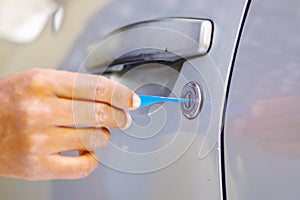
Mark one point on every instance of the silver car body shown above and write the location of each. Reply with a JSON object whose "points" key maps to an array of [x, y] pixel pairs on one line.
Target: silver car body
{"points": [[244, 142]]}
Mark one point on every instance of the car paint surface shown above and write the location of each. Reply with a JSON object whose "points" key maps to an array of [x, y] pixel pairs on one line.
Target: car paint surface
{"points": [[262, 144], [261, 124]]}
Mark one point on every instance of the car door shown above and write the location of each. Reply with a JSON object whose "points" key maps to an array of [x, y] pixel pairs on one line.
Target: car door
{"points": [[166, 154]]}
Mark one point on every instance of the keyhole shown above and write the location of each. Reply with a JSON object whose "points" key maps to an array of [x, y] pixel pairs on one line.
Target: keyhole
{"points": [[189, 97], [192, 92]]}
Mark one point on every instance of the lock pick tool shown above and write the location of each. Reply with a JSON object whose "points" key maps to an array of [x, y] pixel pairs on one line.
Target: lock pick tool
{"points": [[147, 100]]}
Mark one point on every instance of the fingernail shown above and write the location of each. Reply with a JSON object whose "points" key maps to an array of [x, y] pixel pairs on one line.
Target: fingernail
{"points": [[128, 122], [136, 101]]}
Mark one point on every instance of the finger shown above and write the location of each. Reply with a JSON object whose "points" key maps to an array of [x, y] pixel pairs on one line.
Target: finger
{"points": [[88, 114], [94, 88], [70, 139], [65, 167]]}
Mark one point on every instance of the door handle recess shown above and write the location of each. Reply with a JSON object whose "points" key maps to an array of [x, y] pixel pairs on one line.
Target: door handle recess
{"points": [[165, 40]]}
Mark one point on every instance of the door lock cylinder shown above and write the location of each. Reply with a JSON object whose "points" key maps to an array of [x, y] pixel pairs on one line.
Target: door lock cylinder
{"points": [[192, 92]]}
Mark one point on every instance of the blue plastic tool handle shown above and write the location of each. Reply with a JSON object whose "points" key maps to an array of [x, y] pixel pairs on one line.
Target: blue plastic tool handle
{"points": [[147, 100]]}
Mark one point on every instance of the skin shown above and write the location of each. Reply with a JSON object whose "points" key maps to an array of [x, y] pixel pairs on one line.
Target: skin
{"points": [[45, 112]]}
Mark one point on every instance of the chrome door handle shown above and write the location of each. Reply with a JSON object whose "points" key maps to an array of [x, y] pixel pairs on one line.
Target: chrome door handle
{"points": [[165, 40]]}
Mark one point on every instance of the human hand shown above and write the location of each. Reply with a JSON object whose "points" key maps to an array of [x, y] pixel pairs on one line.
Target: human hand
{"points": [[45, 112]]}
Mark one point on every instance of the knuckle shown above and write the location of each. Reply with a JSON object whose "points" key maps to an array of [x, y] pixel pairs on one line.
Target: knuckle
{"points": [[26, 109], [29, 79], [35, 77], [32, 111], [34, 143], [102, 112], [96, 140], [91, 142], [102, 89], [31, 145]]}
